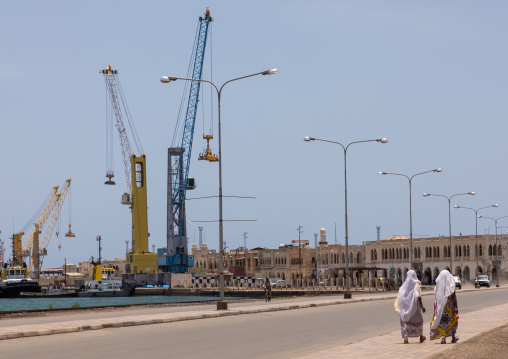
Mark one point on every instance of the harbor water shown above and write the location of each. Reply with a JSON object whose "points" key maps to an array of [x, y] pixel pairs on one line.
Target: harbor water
{"points": [[11, 304]]}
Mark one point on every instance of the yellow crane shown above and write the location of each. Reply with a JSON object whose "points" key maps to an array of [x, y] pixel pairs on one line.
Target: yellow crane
{"points": [[33, 248], [39, 251], [20, 251], [140, 260]]}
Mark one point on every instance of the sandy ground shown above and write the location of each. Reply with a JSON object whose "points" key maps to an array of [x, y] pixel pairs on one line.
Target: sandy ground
{"points": [[489, 345]]}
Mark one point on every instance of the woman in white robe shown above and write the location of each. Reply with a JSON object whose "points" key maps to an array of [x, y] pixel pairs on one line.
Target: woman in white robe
{"points": [[409, 305]]}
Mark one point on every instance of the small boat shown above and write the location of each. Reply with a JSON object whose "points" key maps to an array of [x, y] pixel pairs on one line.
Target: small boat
{"points": [[15, 279], [103, 283], [53, 291], [103, 289]]}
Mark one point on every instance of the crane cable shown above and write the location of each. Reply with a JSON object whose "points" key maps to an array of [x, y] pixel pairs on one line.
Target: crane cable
{"points": [[110, 162], [211, 79], [210, 129], [36, 214], [135, 137], [179, 131]]}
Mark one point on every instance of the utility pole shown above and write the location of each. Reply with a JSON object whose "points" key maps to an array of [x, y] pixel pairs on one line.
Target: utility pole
{"points": [[300, 253]]}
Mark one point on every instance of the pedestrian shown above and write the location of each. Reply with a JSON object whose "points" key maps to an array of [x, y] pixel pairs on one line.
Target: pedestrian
{"points": [[409, 305], [268, 290], [445, 321]]}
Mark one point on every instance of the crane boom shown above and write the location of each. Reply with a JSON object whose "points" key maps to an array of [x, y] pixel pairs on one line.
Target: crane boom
{"points": [[44, 214], [112, 84], [49, 230], [179, 162]]}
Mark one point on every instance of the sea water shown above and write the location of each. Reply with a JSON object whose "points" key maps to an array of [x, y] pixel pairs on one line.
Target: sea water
{"points": [[9, 304]]}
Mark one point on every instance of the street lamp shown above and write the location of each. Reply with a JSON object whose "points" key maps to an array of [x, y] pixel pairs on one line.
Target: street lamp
{"points": [[449, 216], [476, 236], [495, 265], [222, 303], [345, 148], [410, 179]]}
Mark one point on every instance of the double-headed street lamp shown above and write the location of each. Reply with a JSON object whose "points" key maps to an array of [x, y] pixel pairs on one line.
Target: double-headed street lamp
{"points": [[476, 235], [495, 265], [410, 179], [222, 303], [449, 216], [345, 148]]}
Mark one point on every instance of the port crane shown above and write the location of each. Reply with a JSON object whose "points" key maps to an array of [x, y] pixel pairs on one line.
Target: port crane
{"points": [[34, 249], [139, 260], [177, 259]]}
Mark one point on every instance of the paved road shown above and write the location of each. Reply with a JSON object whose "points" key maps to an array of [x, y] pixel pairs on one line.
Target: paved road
{"points": [[280, 334]]}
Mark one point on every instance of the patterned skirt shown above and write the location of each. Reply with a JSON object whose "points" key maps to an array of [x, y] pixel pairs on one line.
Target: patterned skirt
{"points": [[448, 323]]}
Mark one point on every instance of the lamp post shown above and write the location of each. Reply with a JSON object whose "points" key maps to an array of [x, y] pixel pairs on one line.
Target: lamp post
{"points": [[222, 303], [410, 179], [345, 148], [495, 265], [449, 216], [476, 236]]}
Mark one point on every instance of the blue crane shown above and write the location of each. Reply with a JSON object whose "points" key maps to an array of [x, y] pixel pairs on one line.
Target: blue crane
{"points": [[177, 259]]}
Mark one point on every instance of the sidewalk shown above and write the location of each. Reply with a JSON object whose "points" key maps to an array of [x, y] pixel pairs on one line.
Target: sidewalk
{"points": [[389, 345]]}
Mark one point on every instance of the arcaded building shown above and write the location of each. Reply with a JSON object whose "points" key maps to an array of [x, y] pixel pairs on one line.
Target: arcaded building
{"points": [[431, 255]]}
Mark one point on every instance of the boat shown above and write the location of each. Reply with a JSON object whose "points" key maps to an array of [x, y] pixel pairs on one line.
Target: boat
{"points": [[15, 279], [103, 283], [53, 291], [103, 288]]}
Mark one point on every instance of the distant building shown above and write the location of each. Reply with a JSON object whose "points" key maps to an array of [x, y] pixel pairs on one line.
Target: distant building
{"points": [[373, 258]]}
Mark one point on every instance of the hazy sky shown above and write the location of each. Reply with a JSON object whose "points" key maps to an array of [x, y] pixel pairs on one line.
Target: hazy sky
{"points": [[431, 76]]}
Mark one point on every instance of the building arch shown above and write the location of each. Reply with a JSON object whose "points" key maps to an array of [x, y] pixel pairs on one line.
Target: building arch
{"points": [[466, 274], [436, 273], [427, 276]]}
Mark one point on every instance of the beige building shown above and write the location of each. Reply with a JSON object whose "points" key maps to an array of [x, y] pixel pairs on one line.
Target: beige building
{"points": [[327, 262], [431, 255]]}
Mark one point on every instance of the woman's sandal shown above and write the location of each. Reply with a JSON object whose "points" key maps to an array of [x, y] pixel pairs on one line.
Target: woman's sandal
{"points": [[455, 340], [422, 338], [443, 341], [406, 341]]}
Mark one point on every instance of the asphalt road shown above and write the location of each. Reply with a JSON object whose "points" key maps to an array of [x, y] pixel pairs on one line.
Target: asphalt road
{"points": [[283, 334]]}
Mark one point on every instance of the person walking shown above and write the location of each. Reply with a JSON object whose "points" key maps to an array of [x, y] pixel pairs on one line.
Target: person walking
{"points": [[409, 305], [268, 290], [445, 321]]}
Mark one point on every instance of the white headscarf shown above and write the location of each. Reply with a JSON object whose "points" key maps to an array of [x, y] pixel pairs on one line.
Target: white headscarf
{"points": [[445, 286], [407, 300]]}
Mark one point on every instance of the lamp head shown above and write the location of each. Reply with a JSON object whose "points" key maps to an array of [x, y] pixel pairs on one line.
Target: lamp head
{"points": [[382, 173], [382, 140], [270, 72], [308, 139], [471, 193], [437, 170], [167, 79], [426, 195], [456, 206], [495, 205]]}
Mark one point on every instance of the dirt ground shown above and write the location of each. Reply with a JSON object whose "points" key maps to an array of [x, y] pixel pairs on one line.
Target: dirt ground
{"points": [[489, 345]]}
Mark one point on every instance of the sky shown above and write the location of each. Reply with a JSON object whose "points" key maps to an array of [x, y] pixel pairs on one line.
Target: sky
{"points": [[431, 77]]}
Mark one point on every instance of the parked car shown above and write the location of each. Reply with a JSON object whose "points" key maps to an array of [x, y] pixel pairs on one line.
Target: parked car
{"points": [[458, 282], [280, 283], [482, 281]]}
